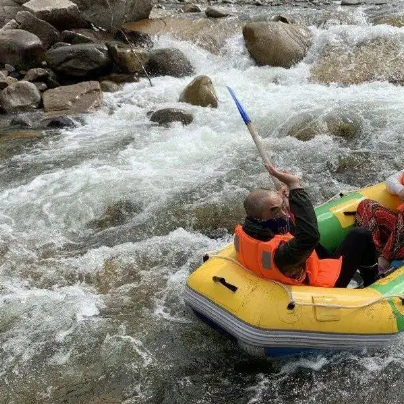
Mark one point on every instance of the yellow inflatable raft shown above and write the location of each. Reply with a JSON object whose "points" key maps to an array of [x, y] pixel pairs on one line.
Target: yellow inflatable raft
{"points": [[269, 318]]}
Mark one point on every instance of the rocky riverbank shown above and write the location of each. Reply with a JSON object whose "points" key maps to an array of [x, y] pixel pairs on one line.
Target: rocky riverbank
{"points": [[58, 57]]}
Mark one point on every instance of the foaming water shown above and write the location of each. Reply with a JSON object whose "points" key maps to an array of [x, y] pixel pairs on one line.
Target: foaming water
{"points": [[87, 308]]}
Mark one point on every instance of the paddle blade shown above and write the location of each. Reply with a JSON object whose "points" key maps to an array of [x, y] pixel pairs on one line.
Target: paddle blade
{"points": [[240, 108]]}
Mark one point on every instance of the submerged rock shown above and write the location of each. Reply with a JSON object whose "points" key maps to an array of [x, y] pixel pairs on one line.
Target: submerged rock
{"points": [[168, 115], [169, 62]]}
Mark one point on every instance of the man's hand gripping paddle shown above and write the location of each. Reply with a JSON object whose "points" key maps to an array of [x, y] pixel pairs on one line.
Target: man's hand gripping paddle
{"points": [[254, 135]]}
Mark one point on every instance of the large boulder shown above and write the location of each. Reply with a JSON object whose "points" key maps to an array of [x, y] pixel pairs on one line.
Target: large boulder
{"points": [[275, 43], [111, 14], [169, 62], [377, 59], [82, 97], [20, 96], [79, 60], [46, 32], [8, 10], [200, 92], [20, 48], [62, 14]]}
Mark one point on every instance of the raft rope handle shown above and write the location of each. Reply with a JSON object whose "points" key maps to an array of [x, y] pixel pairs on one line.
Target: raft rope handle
{"points": [[292, 303]]}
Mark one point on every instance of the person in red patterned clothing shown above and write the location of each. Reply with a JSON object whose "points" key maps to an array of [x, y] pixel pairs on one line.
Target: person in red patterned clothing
{"points": [[386, 226]]}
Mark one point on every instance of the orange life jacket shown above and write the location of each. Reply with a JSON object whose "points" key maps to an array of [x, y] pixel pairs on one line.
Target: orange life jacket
{"points": [[258, 257]]}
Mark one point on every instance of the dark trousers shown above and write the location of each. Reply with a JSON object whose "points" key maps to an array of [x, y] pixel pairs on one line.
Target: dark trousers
{"points": [[358, 252]]}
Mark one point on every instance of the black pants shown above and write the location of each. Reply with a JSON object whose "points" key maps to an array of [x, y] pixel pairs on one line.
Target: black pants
{"points": [[358, 252]]}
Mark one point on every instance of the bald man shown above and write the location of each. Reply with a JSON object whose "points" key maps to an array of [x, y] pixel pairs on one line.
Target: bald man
{"points": [[265, 246]]}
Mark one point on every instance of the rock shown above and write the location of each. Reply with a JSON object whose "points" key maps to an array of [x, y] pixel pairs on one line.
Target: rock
{"points": [[169, 62], [3, 81], [200, 92], [12, 24], [395, 20], [112, 14], [82, 97], [351, 2], [9, 68], [128, 59], [345, 128], [22, 121], [11, 80], [377, 59], [47, 33], [20, 48], [20, 96], [168, 115], [191, 8], [79, 60], [120, 78], [58, 122], [62, 14], [276, 43], [59, 45], [75, 38], [215, 12], [8, 10], [109, 86], [36, 74], [135, 38], [41, 86]]}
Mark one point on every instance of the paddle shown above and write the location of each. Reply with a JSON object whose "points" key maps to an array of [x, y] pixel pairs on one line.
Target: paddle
{"points": [[254, 134]]}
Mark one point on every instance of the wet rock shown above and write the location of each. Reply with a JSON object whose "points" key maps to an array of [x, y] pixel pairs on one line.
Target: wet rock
{"points": [[303, 132], [169, 62], [191, 8], [134, 37], [276, 43], [351, 2], [116, 214], [59, 45], [20, 96], [79, 60], [214, 12], [58, 122], [41, 86], [62, 14], [8, 10], [200, 92], [395, 20], [345, 128], [120, 78], [113, 14], [82, 97], [10, 80], [128, 59], [168, 115], [46, 76], [46, 32], [20, 48], [75, 38], [12, 24], [377, 59], [3, 81], [109, 86], [22, 121]]}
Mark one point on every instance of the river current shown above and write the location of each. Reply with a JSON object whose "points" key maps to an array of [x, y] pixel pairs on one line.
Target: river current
{"points": [[90, 315]]}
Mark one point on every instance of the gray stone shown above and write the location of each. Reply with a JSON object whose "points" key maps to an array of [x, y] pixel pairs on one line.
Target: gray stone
{"points": [[12, 24], [62, 14], [3, 81], [191, 8], [46, 32], [41, 86], [109, 86], [169, 62], [79, 60], [82, 97], [20, 49], [20, 96], [168, 115], [75, 38]]}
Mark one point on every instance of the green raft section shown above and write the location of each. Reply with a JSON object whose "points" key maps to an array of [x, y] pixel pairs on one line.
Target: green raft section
{"points": [[332, 233]]}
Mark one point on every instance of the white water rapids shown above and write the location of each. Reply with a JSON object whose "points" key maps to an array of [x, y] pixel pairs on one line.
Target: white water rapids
{"points": [[89, 315]]}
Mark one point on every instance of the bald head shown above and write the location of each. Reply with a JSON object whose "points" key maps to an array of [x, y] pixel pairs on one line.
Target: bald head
{"points": [[258, 202]]}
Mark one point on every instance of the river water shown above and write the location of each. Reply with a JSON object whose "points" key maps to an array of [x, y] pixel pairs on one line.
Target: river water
{"points": [[96, 315]]}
